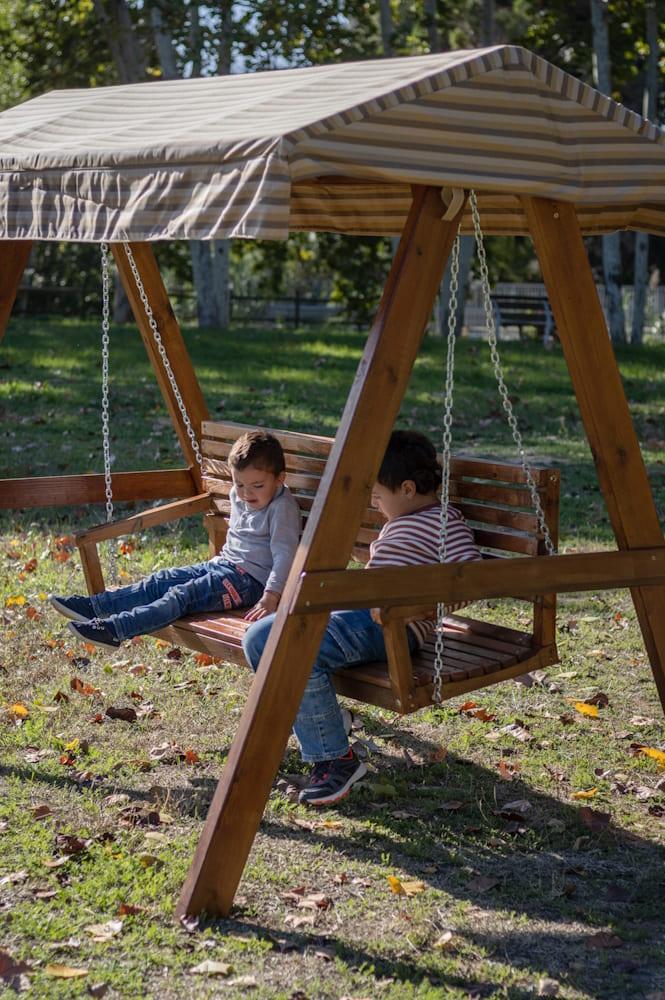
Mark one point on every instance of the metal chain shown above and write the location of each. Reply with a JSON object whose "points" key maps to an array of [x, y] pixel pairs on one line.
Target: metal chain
{"points": [[445, 457], [162, 352], [106, 437], [498, 372]]}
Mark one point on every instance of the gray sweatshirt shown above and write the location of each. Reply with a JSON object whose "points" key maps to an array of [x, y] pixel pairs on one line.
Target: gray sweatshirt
{"points": [[264, 541]]}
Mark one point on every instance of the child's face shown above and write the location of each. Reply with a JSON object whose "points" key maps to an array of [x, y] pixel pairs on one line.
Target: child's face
{"points": [[394, 503], [256, 487]]}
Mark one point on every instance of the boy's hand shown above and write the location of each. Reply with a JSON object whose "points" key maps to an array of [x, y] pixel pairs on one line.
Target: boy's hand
{"points": [[376, 615], [265, 606]]}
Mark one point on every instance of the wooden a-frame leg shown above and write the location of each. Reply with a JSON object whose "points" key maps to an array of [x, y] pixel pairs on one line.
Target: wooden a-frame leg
{"points": [[175, 347], [603, 407], [14, 256], [332, 527]]}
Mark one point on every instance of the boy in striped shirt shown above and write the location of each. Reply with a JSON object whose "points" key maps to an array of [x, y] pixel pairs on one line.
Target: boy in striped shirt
{"points": [[406, 494]]}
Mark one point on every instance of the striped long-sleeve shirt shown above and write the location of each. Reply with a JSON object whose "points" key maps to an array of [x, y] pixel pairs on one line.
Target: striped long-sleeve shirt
{"points": [[413, 540]]}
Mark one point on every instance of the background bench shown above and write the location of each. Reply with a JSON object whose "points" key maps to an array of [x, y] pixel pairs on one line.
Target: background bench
{"points": [[524, 312]]}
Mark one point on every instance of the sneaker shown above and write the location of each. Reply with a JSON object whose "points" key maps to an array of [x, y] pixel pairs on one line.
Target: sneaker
{"points": [[78, 608], [331, 780], [97, 631]]}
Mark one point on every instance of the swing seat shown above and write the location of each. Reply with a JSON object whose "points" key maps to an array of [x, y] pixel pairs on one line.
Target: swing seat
{"points": [[495, 500]]}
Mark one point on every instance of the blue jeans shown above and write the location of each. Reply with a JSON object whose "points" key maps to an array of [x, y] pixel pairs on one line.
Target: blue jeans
{"points": [[167, 595], [351, 637]]}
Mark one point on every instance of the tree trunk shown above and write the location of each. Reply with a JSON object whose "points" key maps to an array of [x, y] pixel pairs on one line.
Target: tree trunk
{"points": [[116, 26], [649, 110], [221, 249], [387, 29], [432, 32], [116, 23], [466, 251], [206, 306], [487, 29], [611, 243]]}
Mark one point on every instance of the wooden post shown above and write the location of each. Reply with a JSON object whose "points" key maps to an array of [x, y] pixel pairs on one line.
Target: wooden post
{"points": [[172, 340], [14, 256], [275, 696], [603, 407]]}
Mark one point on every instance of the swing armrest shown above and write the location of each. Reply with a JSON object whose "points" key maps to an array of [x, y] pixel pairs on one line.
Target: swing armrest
{"points": [[146, 519], [87, 541]]}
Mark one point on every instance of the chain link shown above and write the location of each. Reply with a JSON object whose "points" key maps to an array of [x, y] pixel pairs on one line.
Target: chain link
{"points": [[162, 352], [445, 456], [498, 372], [106, 437]]}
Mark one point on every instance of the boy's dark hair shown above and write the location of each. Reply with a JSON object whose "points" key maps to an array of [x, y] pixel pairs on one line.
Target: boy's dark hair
{"points": [[260, 449], [410, 455]]}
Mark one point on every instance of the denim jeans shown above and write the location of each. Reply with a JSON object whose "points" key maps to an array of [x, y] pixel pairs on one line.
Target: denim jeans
{"points": [[162, 597], [351, 637]]}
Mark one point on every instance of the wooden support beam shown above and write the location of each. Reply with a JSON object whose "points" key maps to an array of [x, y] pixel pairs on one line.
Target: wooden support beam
{"points": [[275, 696], [411, 588], [173, 343], [59, 491], [603, 407], [14, 256]]}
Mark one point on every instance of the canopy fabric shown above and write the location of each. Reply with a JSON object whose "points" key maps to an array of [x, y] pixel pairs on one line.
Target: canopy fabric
{"points": [[327, 148]]}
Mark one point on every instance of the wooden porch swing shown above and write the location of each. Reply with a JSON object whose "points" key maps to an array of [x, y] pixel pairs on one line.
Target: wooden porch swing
{"points": [[349, 153]]}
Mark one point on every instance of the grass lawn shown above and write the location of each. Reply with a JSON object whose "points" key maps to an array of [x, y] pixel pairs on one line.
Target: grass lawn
{"points": [[559, 894]]}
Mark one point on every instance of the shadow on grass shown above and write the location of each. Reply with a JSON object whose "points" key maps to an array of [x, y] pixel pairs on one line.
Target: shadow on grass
{"points": [[551, 869]]}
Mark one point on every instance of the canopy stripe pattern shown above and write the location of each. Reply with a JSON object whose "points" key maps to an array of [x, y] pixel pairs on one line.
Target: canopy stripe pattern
{"points": [[328, 148]]}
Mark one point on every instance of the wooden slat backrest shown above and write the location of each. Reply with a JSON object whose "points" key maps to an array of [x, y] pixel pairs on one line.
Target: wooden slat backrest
{"points": [[493, 496]]}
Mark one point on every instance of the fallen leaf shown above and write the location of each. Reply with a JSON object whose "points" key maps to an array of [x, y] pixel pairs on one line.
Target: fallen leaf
{"points": [[130, 910], [212, 968], [40, 812], [405, 888], [604, 939], [655, 754], [599, 699], [296, 920], [467, 706], [508, 769], [14, 878], [443, 940], [589, 794], [191, 757], [452, 805], [104, 932], [519, 809], [125, 714], [64, 972], [483, 883], [593, 819], [548, 987], [81, 687], [18, 711], [589, 710], [13, 973]]}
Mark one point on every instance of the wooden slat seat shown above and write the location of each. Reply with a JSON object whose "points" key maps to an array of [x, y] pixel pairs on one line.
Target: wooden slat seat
{"points": [[495, 500]]}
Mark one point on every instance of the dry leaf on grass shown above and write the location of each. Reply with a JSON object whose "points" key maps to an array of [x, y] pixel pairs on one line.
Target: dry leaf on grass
{"points": [[593, 819], [589, 710], [104, 932], [64, 972], [443, 941], [124, 714], [405, 888], [13, 973], [588, 794], [483, 883], [604, 939], [212, 968], [518, 810]]}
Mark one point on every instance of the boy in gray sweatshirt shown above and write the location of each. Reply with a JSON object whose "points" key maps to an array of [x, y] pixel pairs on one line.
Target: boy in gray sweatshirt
{"points": [[250, 571]]}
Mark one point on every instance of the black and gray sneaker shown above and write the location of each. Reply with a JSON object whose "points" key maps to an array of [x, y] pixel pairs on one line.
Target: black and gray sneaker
{"points": [[80, 609], [331, 780], [97, 631]]}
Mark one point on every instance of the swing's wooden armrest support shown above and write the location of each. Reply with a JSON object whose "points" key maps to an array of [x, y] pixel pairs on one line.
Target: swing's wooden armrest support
{"points": [[402, 591], [87, 541]]}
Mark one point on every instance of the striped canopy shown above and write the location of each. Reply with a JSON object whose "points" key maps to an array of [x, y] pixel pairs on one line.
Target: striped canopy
{"points": [[328, 148]]}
